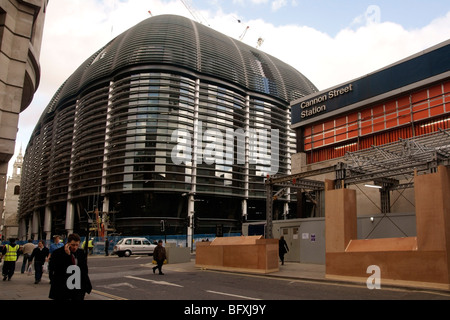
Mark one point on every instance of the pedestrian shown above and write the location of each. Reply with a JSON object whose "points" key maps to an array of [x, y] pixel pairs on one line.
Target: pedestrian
{"points": [[282, 249], [159, 255], [57, 243], [106, 246], [91, 246], [10, 253], [27, 250], [40, 255], [68, 271]]}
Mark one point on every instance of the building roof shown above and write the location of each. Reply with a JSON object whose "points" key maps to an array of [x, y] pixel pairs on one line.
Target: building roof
{"points": [[178, 42]]}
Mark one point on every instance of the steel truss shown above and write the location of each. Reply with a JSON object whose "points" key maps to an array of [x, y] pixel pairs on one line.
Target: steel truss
{"points": [[386, 166], [398, 160]]}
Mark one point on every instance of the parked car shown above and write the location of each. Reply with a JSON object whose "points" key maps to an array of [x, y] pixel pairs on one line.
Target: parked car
{"points": [[128, 246]]}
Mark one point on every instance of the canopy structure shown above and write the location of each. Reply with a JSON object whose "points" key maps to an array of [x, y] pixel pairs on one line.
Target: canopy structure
{"points": [[398, 160], [391, 166]]}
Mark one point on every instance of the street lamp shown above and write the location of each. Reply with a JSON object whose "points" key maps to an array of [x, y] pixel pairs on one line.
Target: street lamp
{"points": [[190, 216], [163, 229]]}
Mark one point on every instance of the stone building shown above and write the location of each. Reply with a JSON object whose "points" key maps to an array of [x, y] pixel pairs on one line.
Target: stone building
{"points": [[10, 223], [21, 27]]}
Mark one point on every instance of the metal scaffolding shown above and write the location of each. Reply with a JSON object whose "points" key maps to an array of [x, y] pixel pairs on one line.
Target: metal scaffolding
{"points": [[391, 167], [398, 160]]}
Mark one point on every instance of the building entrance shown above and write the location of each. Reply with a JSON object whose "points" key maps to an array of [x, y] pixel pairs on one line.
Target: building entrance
{"points": [[291, 235]]}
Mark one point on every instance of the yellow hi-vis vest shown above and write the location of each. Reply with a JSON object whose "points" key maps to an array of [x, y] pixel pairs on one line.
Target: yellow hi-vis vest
{"points": [[11, 253]]}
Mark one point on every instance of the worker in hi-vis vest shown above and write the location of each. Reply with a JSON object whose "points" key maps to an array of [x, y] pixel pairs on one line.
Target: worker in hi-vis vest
{"points": [[9, 254]]}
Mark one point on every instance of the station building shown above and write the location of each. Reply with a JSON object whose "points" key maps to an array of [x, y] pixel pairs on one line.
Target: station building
{"points": [[407, 99], [102, 151], [371, 134]]}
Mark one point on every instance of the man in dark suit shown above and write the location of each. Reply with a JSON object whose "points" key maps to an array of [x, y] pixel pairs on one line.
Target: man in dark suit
{"points": [[68, 271]]}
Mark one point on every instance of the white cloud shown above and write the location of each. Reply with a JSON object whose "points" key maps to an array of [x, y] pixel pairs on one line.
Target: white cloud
{"points": [[277, 4], [352, 53], [75, 29], [244, 2]]}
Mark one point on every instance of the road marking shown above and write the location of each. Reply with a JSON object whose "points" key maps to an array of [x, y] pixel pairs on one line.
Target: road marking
{"points": [[111, 296], [120, 284], [334, 284], [149, 264], [232, 295], [178, 270], [168, 267], [164, 283]]}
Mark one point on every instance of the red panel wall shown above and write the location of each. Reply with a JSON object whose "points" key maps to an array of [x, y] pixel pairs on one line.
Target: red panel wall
{"points": [[420, 112]]}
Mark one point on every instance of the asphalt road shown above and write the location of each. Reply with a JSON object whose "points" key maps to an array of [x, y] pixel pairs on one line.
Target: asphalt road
{"points": [[132, 279]]}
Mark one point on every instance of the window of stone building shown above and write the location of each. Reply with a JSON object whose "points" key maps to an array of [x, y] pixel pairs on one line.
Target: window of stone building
{"points": [[2, 22]]}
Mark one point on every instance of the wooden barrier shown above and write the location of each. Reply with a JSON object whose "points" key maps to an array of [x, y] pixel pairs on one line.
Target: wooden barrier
{"points": [[247, 253], [418, 261]]}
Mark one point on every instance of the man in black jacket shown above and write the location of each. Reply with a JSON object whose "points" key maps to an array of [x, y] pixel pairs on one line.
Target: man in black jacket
{"points": [[40, 255], [68, 271], [283, 249], [159, 255]]}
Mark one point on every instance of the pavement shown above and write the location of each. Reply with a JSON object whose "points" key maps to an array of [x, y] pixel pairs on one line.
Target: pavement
{"points": [[22, 287]]}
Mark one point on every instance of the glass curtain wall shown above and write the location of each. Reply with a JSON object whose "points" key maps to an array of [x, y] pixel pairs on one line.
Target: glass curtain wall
{"points": [[145, 109], [88, 147], [222, 121]]}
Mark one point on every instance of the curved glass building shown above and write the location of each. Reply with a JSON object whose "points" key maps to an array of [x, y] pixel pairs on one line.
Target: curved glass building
{"points": [[168, 121]]}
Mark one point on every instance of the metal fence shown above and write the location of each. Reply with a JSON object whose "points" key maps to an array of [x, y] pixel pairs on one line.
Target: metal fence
{"points": [[99, 242]]}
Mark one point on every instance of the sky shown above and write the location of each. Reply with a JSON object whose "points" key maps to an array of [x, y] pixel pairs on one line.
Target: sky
{"points": [[328, 41]]}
